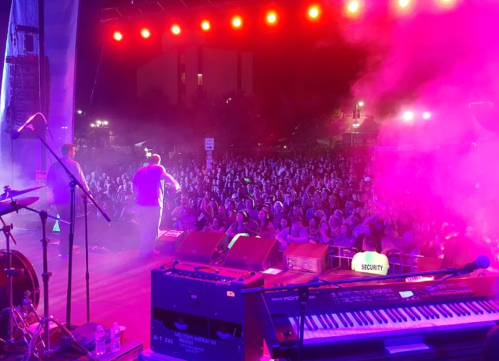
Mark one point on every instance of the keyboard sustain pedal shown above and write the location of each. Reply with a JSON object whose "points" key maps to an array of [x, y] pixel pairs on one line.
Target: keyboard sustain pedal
{"points": [[411, 344]]}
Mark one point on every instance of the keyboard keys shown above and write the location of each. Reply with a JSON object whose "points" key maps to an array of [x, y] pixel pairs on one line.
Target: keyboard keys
{"points": [[485, 306], [432, 311], [376, 317], [342, 320], [423, 312], [454, 309], [322, 321], [381, 315], [401, 314], [312, 322], [415, 313], [462, 309], [442, 311], [449, 313], [308, 325], [389, 314], [473, 308], [348, 319], [492, 306], [366, 316], [409, 313], [333, 320], [356, 318]]}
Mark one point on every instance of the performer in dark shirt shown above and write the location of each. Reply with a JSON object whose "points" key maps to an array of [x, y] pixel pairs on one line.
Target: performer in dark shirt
{"points": [[58, 181]]}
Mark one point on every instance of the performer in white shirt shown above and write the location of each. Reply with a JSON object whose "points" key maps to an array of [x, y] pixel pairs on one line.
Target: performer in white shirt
{"points": [[148, 187], [370, 261]]}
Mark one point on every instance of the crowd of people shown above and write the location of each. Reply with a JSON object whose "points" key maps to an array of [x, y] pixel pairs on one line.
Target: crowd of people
{"points": [[327, 199]]}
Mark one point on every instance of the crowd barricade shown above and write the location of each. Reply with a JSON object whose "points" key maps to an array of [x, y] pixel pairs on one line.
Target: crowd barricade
{"points": [[341, 257]]}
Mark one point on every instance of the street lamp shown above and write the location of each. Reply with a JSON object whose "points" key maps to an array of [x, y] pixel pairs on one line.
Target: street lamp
{"points": [[361, 103]]}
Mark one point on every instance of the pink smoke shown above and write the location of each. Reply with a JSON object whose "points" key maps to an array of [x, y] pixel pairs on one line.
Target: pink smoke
{"points": [[437, 60]]}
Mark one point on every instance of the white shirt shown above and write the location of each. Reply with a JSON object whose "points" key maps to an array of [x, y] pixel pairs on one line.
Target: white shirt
{"points": [[370, 262]]}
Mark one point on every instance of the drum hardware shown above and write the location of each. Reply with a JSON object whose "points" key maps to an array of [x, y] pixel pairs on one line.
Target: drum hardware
{"points": [[15, 205], [15, 319], [10, 193], [44, 323]]}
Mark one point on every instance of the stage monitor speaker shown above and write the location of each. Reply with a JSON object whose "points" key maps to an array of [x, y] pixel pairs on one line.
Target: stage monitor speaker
{"points": [[306, 257], [169, 240], [201, 247], [253, 253]]}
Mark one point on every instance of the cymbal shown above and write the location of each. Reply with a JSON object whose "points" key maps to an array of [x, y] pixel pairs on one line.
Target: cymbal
{"points": [[11, 193], [7, 207]]}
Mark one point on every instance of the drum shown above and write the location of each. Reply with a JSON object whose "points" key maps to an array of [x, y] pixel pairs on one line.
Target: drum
{"points": [[24, 281]]}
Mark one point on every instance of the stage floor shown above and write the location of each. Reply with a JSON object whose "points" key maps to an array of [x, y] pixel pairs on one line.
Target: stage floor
{"points": [[119, 284]]}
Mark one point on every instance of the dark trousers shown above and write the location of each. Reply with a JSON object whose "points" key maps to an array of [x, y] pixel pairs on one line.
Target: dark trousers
{"points": [[64, 212]]}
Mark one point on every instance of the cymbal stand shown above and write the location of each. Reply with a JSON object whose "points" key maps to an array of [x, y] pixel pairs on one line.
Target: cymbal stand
{"points": [[44, 324], [16, 321]]}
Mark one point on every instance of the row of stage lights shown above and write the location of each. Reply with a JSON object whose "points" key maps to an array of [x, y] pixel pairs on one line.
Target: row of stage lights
{"points": [[314, 12]]}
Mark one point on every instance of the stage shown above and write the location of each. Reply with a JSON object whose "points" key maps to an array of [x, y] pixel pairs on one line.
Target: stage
{"points": [[120, 288]]}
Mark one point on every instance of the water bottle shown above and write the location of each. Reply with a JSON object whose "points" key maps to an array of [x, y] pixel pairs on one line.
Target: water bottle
{"points": [[100, 341], [115, 338]]}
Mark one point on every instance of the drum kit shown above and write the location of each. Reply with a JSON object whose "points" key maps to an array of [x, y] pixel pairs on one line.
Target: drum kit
{"points": [[19, 282]]}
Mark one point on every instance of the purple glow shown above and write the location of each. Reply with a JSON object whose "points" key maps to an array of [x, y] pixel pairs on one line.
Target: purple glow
{"points": [[426, 115]]}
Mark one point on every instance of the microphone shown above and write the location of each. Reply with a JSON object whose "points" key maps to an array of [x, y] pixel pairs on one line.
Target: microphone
{"points": [[176, 262], [15, 134], [481, 262]]}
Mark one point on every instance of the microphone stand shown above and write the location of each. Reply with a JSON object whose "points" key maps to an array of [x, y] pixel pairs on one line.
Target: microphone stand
{"points": [[304, 291], [87, 274], [73, 183]]}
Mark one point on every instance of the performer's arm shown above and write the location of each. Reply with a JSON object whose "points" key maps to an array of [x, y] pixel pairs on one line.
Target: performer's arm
{"points": [[172, 180]]}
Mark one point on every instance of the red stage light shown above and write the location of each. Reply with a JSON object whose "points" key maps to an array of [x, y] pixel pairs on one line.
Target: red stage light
{"points": [[145, 33], [237, 22], [314, 12], [176, 29], [271, 18], [205, 25], [118, 36]]}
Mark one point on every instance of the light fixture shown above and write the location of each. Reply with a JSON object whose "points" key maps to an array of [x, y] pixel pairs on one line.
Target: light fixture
{"points": [[118, 36], [176, 29], [205, 25], [145, 33], [408, 116]]}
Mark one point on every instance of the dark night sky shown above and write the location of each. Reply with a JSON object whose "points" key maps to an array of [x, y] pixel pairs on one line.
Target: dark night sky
{"points": [[297, 59]]}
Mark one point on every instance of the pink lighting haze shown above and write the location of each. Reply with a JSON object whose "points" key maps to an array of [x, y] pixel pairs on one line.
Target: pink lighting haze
{"points": [[443, 59], [426, 115]]}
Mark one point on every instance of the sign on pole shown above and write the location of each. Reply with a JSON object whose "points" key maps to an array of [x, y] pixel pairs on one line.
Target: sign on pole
{"points": [[209, 144]]}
